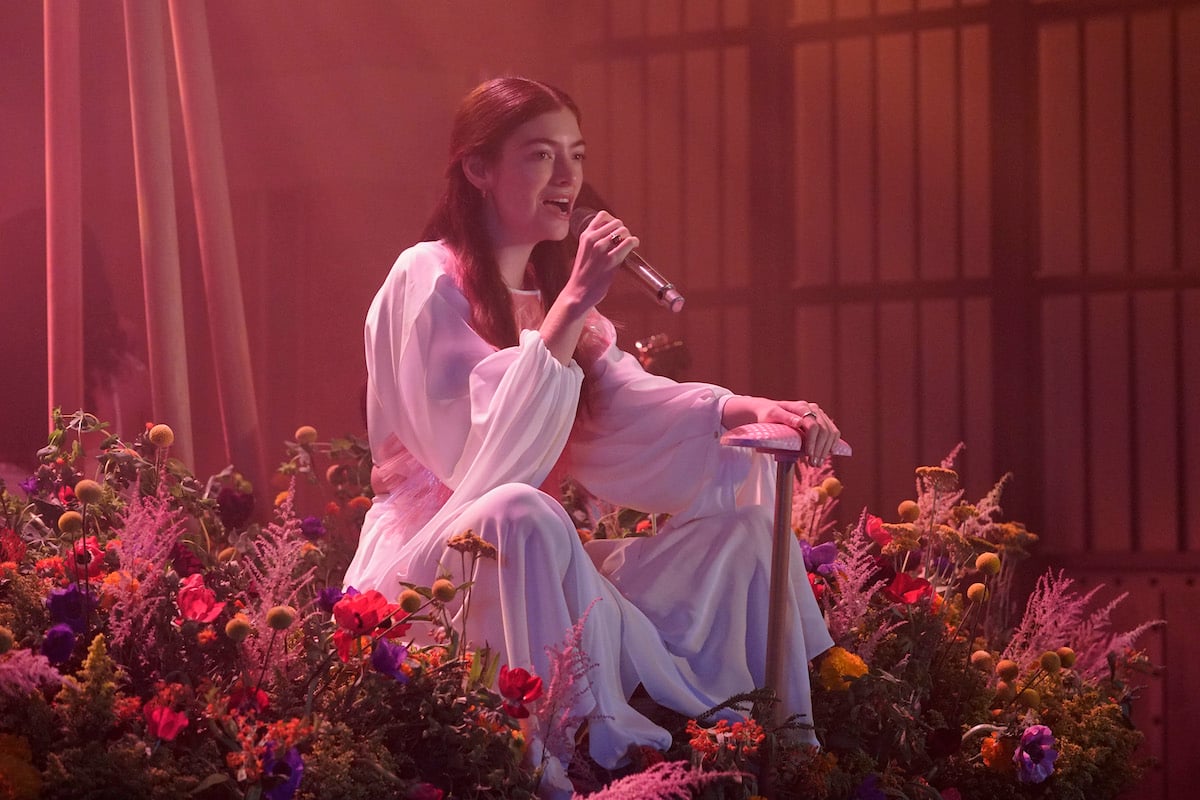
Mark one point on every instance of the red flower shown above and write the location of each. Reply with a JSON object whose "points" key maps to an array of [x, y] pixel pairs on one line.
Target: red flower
{"points": [[348, 645], [162, 722], [248, 698], [518, 687], [818, 587], [424, 791], [12, 547], [906, 589], [86, 559], [362, 613], [876, 532], [197, 601]]}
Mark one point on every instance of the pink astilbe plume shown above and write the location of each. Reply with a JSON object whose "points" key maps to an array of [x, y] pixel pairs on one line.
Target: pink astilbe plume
{"points": [[569, 666], [23, 672], [668, 780], [151, 529], [272, 564], [1056, 616], [855, 569]]}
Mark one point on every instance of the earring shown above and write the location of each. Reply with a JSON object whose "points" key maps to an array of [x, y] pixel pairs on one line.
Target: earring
{"points": [[483, 194]]}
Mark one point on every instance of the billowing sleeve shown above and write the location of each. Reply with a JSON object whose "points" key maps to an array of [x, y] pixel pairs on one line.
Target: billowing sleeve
{"points": [[477, 417], [650, 443]]}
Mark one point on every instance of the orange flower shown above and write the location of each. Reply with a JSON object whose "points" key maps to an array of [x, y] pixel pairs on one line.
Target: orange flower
{"points": [[998, 752]]}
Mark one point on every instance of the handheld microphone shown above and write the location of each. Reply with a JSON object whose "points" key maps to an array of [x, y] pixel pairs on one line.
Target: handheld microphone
{"points": [[661, 289]]}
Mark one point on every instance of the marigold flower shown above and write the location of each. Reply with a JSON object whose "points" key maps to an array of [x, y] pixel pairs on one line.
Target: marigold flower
{"points": [[359, 503], [306, 434], [839, 667], [518, 687], [161, 435], [908, 511], [997, 752], [70, 522]]}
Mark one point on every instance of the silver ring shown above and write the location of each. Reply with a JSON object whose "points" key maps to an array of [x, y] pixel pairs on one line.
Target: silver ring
{"points": [[808, 414], [615, 238]]}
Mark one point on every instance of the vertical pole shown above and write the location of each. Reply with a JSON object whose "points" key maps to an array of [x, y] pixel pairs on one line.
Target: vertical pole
{"points": [[218, 250], [778, 617], [161, 282], [64, 208]]}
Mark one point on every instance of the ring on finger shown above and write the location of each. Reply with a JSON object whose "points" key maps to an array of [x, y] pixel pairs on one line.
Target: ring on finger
{"points": [[812, 414], [615, 239]]}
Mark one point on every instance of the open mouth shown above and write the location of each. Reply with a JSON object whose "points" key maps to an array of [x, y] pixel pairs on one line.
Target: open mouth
{"points": [[562, 206]]}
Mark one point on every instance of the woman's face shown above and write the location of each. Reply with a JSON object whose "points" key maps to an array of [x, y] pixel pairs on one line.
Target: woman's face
{"points": [[531, 187]]}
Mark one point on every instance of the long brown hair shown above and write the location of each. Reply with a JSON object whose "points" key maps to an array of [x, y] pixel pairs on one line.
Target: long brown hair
{"points": [[485, 119]]}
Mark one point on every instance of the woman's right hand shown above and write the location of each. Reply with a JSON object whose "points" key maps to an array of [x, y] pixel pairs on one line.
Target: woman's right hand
{"points": [[603, 245]]}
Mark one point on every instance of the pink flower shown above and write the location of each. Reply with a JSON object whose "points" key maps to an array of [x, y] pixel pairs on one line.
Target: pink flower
{"points": [[162, 722], [196, 601], [906, 589], [518, 687], [424, 791]]}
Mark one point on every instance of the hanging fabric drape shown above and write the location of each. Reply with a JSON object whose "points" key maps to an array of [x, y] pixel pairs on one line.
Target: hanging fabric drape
{"points": [[161, 282], [64, 207]]}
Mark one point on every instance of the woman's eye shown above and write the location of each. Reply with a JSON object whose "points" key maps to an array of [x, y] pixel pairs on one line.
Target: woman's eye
{"points": [[580, 156]]}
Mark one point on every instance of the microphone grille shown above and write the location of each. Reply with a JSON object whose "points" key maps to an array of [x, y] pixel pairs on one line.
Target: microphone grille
{"points": [[581, 217]]}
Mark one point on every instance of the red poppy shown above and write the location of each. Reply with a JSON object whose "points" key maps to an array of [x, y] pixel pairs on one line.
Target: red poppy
{"points": [[85, 559], [518, 687], [906, 589], [818, 587], [361, 613], [162, 722], [876, 531], [196, 601]]}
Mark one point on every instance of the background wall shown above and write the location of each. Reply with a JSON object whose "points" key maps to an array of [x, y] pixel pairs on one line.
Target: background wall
{"points": [[945, 220]]}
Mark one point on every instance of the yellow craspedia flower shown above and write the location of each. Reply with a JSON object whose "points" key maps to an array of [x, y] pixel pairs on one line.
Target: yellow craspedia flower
{"points": [[908, 511], [839, 665], [1008, 670], [982, 660], [977, 593], [832, 486], [306, 434], [280, 618], [1051, 661], [410, 601], [238, 628], [70, 522], [989, 563], [1067, 656], [162, 436], [443, 590], [1030, 698], [88, 491], [819, 494]]}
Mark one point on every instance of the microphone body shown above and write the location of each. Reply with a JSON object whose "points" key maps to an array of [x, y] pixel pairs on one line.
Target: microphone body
{"points": [[658, 287]]}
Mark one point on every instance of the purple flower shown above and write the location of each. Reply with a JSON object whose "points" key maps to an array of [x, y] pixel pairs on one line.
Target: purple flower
{"points": [[387, 658], [281, 776], [819, 559], [58, 644], [29, 485], [312, 528], [235, 507], [70, 606], [1035, 755], [328, 597], [869, 789]]}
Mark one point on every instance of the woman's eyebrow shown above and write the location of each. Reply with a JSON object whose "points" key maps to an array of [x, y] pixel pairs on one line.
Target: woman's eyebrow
{"points": [[551, 142]]}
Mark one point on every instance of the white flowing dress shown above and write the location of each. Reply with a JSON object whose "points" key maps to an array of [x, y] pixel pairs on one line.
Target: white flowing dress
{"points": [[463, 435]]}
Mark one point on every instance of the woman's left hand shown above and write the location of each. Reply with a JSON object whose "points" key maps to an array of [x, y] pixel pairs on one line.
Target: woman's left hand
{"points": [[817, 430]]}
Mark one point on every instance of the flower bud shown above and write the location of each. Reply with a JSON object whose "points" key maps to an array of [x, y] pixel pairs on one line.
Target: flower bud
{"points": [[832, 486], [280, 618], [162, 436], [6, 640], [1007, 670], [443, 590], [238, 628], [988, 563], [977, 593], [88, 491], [982, 660], [1051, 662], [908, 511], [306, 434], [410, 601], [70, 522], [1067, 656]]}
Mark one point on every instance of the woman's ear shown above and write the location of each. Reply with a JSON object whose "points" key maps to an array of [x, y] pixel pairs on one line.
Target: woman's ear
{"points": [[477, 172]]}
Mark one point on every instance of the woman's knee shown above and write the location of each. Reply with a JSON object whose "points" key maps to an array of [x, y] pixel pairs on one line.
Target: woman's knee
{"points": [[517, 510]]}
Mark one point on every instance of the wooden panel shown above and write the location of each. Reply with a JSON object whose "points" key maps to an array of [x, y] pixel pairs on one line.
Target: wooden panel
{"points": [[626, 163], [736, 13], [941, 384], [590, 89], [852, 9], [1109, 470], [1063, 425], [664, 167], [925, 5], [816, 343], [976, 203], [894, 6], [735, 364], [1190, 342], [898, 411], [1153, 159], [702, 335], [978, 427], [734, 196], [814, 165], [663, 17], [1188, 47], [1106, 145], [698, 15], [702, 149], [626, 17], [859, 399], [1058, 141], [937, 101], [855, 226], [897, 161], [812, 10], [1156, 385]]}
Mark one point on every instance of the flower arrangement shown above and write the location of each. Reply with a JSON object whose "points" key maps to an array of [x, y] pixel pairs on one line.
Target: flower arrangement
{"points": [[160, 639]]}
